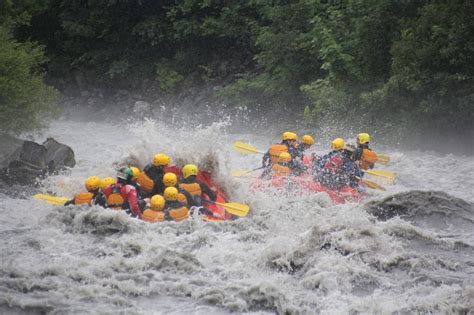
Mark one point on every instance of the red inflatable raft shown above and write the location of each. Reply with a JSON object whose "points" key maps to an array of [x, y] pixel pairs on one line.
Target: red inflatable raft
{"points": [[304, 184]]}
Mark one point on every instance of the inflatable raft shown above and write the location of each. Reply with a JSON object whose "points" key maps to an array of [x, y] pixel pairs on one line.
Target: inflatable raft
{"points": [[305, 184]]}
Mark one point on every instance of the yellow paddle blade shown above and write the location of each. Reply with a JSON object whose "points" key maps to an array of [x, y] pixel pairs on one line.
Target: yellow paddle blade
{"points": [[52, 200], [246, 148], [383, 159], [387, 176], [372, 185], [235, 208], [241, 173]]}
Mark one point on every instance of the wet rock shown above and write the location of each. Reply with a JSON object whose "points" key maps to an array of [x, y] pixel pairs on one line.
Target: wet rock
{"points": [[23, 161], [26, 162], [411, 203], [58, 156]]}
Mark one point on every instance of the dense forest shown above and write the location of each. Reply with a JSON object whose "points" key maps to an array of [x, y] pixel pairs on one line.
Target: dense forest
{"points": [[391, 63]]}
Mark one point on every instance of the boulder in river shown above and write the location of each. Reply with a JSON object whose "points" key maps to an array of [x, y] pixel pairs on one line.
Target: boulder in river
{"points": [[23, 161], [58, 156], [414, 203]]}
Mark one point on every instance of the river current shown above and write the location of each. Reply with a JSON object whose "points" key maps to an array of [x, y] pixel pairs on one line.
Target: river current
{"points": [[291, 255]]}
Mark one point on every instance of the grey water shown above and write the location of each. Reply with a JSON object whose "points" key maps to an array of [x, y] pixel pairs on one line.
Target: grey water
{"points": [[406, 250]]}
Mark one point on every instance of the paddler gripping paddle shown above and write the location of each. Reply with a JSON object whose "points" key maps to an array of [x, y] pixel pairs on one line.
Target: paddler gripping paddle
{"points": [[245, 148]]}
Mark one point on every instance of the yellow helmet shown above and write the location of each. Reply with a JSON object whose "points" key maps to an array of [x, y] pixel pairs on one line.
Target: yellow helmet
{"points": [[161, 159], [190, 169], [170, 179], [284, 157], [363, 138], [92, 183], [157, 203], [288, 135], [307, 139], [135, 171], [337, 144], [170, 193], [106, 182]]}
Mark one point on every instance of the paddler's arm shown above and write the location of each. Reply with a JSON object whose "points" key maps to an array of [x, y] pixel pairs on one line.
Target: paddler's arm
{"points": [[205, 189], [265, 159], [158, 186], [189, 198], [133, 201]]}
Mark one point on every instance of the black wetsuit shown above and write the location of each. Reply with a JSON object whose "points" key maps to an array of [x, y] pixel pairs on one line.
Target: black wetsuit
{"points": [[155, 173], [204, 189], [357, 154]]}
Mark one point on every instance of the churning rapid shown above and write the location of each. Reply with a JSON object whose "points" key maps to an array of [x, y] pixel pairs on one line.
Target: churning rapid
{"points": [[410, 253]]}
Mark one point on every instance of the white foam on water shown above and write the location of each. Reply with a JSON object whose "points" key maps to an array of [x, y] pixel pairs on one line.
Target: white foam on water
{"points": [[293, 254]]}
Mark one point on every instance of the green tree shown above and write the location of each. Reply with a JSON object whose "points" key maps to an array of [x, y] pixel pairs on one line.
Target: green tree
{"points": [[24, 98], [433, 67]]}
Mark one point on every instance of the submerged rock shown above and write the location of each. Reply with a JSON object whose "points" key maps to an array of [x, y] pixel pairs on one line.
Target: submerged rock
{"points": [[23, 161]]}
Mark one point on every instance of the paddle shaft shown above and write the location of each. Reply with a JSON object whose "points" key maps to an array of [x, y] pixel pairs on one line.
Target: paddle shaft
{"points": [[360, 178]]}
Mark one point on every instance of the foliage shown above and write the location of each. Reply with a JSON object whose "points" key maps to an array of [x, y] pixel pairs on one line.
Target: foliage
{"points": [[433, 65], [24, 98], [348, 58], [167, 77]]}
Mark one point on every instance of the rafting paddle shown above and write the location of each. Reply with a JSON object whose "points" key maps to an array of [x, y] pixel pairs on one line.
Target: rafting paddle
{"points": [[246, 148], [371, 184], [52, 200], [383, 159], [243, 173], [237, 209], [389, 177]]}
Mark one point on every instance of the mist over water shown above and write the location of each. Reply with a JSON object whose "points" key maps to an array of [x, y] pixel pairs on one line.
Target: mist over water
{"points": [[294, 254]]}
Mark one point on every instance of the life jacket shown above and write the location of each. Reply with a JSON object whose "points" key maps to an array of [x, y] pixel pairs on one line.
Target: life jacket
{"points": [[175, 211], [334, 164], [179, 214], [275, 150], [153, 216], [83, 198], [115, 199], [182, 199], [194, 189], [280, 170], [145, 182], [368, 159]]}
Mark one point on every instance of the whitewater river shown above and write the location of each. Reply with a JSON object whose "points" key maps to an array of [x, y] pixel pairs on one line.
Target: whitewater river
{"points": [[292, 255]]}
